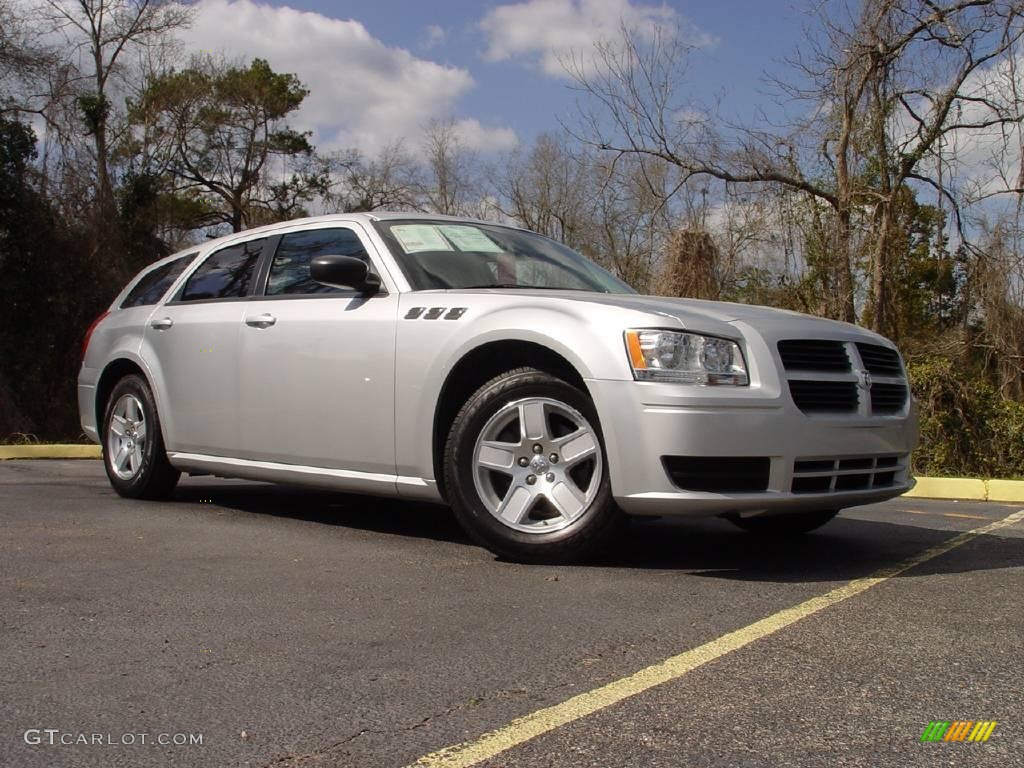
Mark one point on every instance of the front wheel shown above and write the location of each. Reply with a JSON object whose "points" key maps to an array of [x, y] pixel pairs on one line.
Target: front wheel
{"points": [[793, 523], [133, 445], [525, 470]]}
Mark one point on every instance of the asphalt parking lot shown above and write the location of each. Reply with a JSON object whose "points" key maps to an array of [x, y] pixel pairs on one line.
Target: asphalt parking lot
{"points": [[294, 628]]}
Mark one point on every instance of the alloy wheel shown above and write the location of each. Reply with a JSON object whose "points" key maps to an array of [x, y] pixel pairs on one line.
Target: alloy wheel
{"points": [[126, 437], [537, 465]]}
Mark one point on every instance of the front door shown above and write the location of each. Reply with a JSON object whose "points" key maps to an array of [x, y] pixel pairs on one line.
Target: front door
{"points": [[317, 365]]}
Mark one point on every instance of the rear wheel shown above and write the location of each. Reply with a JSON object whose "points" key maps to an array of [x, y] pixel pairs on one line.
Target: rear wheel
{"points": [[133, 445], [526, 472], [793, 523]]}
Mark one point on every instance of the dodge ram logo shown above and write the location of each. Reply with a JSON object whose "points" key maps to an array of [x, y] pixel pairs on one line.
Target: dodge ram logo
{"points": [[864, 379]]}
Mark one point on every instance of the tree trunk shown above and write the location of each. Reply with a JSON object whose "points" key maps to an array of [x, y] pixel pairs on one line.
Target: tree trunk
{"points": [[843, 306], [879, 294], [237, 223], [888, 187], [104, 187]]}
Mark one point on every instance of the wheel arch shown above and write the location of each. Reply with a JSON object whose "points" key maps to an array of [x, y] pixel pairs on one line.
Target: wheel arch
{"points": [[478, 366], [112, 373]]}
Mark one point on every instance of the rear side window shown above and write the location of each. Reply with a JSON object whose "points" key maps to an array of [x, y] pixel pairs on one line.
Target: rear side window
{"points": [[225, 274], [289, 272], [154, 284]]}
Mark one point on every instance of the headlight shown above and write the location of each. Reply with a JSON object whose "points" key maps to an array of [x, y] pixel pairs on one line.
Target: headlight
{"points": [[685, 357]]}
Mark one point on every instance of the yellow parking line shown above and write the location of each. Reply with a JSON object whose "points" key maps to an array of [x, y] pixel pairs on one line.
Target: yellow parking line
{"points": [[948, 514], [542, 721]]}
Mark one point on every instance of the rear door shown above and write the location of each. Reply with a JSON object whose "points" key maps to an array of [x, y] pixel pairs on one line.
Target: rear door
{"points": [[192, 341], [317, 363]]}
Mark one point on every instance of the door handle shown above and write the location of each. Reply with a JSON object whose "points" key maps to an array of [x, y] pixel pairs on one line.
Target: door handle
{"points": [[162, 324], [261, 321]]}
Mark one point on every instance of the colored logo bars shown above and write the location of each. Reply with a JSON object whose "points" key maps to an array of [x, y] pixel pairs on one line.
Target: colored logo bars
{"points": [[958, 730]]}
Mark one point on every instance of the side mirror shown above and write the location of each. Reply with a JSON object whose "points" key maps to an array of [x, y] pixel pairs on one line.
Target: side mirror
{"points": [[344, 272]]}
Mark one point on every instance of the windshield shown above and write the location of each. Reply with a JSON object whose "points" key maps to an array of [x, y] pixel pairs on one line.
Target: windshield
{"points": [[454, 254]]}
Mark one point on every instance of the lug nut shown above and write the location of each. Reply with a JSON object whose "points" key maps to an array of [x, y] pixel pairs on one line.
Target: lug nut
{"points": [[531, 479], [550, 477], [523, 461], [554, 458], [538, 448]]}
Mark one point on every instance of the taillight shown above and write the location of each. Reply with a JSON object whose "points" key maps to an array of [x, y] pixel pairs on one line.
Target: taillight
{"points": [[88, 332]]}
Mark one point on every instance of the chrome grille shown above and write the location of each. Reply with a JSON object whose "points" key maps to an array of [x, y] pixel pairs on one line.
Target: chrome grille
{"points": [[828, 377], [881, 361], [814, 355], [841, 474], [888, 398], [824, 396]]}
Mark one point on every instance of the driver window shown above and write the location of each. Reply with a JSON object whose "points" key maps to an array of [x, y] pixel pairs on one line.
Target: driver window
{"points": [[289, 272]]}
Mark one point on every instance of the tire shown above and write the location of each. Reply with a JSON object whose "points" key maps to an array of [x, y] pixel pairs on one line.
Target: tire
{"points": [[566, 512], [790, 524], [136, 465]]}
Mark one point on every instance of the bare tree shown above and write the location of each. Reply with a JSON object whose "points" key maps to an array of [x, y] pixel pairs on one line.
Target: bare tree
{"points": [[631, 216], [613, 211], [998, 278], [887, 85], [390, 180], [100, 33], [546, 189], [24, 61], [449, 186]]}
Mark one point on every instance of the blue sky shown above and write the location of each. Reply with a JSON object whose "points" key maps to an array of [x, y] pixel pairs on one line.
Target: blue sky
{"points": [[750, 37], [379, 71]]}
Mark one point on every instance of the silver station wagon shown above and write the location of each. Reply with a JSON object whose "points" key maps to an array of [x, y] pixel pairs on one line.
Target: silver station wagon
{"points": [[492, 369]]}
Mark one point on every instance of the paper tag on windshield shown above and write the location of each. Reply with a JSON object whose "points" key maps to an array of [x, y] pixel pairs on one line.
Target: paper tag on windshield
{"points": [[470, 239], [419, 237]]}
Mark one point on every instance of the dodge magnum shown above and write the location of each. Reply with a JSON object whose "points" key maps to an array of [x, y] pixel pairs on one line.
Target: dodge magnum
{"points": [[492, 369]]}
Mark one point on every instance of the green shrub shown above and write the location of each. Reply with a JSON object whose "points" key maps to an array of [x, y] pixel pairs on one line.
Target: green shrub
{"points": [[967, 428]]}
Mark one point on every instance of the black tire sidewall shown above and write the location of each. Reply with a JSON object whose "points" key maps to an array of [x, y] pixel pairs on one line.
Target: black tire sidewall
{"points": [[152, 452], [470, 510]]}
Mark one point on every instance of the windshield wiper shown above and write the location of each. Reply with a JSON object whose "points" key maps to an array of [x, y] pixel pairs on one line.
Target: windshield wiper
{"points": [[517, 285], [489, 285]]}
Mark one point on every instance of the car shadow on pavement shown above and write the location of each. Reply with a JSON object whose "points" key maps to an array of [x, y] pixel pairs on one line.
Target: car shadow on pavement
{"points": [[369, 513], [846, 548]]}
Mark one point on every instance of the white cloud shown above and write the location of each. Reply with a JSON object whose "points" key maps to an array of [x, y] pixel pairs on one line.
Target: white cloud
{"points": [[363, 93], [472, 135], [433, 36], [550, 31]]}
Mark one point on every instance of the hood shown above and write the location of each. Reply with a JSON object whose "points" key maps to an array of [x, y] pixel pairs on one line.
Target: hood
{"points": [[720, 311], [700, 315]]}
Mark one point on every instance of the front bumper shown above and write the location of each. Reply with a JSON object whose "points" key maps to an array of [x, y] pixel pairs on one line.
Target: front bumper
{"points": [[643, 422]]}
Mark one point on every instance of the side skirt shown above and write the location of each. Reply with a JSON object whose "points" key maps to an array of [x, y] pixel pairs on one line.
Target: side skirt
{"points": [[343, 480]]}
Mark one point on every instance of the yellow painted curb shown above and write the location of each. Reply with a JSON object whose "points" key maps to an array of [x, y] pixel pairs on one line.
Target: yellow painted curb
{"points": [[1006, 490], [949, 488], [50, 452], [967, 488]]}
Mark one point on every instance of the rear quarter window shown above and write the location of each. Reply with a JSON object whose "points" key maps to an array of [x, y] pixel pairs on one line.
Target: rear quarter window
{"points": [[152, 286]]}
